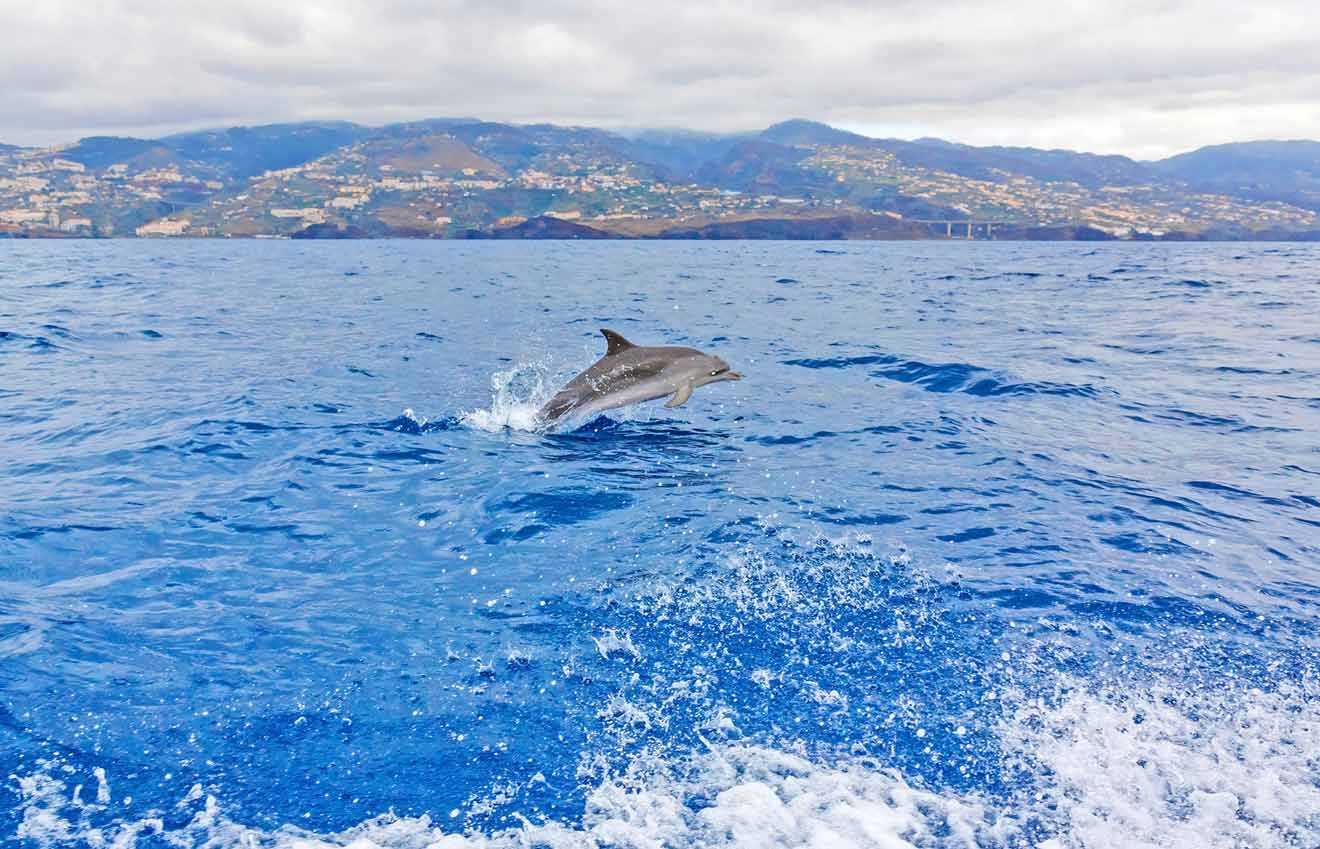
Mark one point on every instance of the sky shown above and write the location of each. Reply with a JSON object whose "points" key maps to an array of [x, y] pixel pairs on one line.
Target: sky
{"points": [[1145, 79]]}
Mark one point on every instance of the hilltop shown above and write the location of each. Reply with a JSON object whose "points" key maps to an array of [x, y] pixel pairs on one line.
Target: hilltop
{"points": [[464, 178]]}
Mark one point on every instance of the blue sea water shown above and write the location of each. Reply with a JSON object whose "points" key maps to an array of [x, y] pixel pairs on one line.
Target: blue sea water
{"points": [[995, 545]]}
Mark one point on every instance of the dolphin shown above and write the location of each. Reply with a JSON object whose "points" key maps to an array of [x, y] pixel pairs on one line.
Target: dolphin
{"points": [[631, 374]]}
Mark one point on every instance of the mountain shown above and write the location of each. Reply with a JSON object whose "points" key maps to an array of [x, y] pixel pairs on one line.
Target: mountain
{"points": [[99, 152], [679, 151], [1284, 171], [460, 177], [982, 163], [765, 167], [435, 152], [238, 152], [992, 163], [243, 152], [800, 133]]}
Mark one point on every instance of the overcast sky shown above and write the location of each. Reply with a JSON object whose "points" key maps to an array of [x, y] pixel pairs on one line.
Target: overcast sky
{"points": [[1142, 78]]}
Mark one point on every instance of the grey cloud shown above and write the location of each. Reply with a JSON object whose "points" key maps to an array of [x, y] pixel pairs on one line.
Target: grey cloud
{"points": [[1140, 78]]}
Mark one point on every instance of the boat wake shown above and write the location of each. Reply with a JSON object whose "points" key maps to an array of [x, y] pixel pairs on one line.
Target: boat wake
{"points": [[1152, 768]]}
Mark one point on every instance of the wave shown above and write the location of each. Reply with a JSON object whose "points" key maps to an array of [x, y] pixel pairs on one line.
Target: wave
{"points": [[410, 422], [1093, 768], [948, 377], [39, 344]]}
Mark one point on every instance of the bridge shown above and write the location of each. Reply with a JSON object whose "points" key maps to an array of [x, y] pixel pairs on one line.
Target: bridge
{"points": [[968, 228]]}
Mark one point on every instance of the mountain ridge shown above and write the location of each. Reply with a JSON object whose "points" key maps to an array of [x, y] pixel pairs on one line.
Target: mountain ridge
{"points": [[449, 176], [775, 132]]}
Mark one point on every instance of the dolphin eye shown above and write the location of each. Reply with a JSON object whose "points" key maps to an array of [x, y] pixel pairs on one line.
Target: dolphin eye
{"points": [[715, 373]]}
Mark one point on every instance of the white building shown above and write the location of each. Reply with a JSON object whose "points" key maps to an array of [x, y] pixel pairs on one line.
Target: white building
{"points": [[163, 227], [307, 214]]}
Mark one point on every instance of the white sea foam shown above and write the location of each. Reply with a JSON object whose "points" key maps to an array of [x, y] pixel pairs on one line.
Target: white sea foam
{"points": [[754, 797], [517, 395], [1156, 767], [1168, 767]]}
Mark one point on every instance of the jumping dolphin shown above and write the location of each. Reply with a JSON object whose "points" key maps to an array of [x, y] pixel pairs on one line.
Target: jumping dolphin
{"points": [[630, 374]]}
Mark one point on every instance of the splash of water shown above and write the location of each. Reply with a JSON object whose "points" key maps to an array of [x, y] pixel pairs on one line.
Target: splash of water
{"points": [[517, 395]]}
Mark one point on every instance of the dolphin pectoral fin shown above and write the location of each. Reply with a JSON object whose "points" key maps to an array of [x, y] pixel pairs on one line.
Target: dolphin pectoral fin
{"points": [[680, 397]]}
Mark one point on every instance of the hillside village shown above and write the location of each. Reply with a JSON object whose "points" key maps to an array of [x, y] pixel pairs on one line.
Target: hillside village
{"points": [[448, 179]]}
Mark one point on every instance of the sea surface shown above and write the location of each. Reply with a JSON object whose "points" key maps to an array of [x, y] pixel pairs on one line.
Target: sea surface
{"points": [[996, 545]]}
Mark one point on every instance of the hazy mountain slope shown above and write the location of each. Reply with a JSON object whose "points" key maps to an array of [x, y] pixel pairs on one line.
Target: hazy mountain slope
{"points": [[678, 152], [991, 163], [100, 152], [760, 166], [438, 153], [801, 133], [243, 152], [1287, 171], [982, 163]]}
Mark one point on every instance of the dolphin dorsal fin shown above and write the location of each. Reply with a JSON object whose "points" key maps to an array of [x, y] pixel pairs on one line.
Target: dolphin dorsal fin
{"points": [[615, 343]]}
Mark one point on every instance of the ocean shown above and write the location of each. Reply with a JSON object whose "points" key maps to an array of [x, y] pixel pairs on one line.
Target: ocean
{"points": [[995, 545]]}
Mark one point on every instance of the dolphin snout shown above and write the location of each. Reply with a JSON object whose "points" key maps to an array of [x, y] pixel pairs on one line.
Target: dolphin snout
{"points": [[732, 375]]}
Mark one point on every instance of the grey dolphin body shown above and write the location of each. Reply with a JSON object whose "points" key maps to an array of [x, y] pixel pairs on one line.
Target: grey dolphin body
{"points": [[630, 374]]}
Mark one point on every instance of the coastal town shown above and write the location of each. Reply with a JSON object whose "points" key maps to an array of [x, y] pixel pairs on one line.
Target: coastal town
{"points": [[465, 180], [1119, 210]]}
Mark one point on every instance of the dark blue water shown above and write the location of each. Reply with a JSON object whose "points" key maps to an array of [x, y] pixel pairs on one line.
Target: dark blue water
{"points": [[996, 544]]}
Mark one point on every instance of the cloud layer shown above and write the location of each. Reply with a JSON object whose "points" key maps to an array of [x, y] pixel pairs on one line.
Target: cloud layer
{"points": [[1146, 79]]}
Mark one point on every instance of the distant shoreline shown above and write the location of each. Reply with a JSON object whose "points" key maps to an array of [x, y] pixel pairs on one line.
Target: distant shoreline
{"points": [[747, 230]]}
